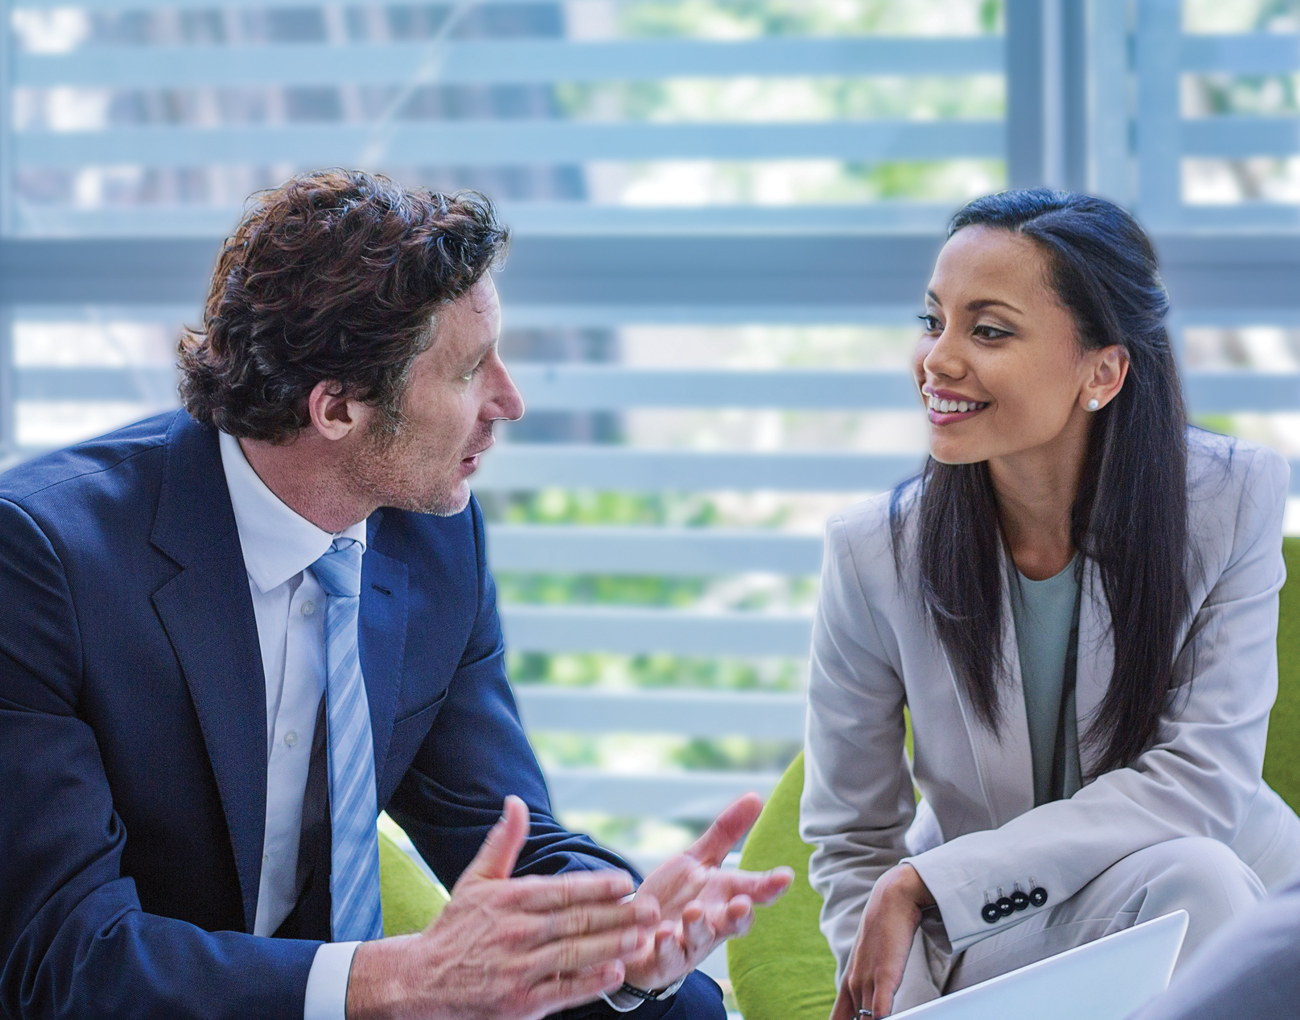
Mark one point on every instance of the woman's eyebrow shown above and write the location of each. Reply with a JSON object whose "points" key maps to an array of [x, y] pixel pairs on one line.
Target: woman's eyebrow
{"points": [[980, 305]]}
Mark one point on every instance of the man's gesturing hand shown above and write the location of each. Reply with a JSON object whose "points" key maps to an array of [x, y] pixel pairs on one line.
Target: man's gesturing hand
{"points": [[507, 948], [702, 905]]}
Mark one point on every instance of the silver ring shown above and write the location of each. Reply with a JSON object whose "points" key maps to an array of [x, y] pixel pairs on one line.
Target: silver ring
{"points": [[866, 1013]]}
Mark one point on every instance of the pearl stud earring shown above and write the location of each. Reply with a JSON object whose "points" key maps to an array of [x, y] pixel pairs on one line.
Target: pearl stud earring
{"points": [[1093, 404]]}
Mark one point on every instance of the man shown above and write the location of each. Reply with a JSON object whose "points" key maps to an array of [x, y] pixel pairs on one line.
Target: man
{"points": [[1246, 971], [230, 635]]}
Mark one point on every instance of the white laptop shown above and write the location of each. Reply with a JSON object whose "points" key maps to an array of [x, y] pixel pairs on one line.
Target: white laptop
{"points": [[1103, 980]]}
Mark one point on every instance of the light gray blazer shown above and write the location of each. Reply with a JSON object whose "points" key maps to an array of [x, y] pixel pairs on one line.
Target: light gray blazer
{"points": [[977, 830]]}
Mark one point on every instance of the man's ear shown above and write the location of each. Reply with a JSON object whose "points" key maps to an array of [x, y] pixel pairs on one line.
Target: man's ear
{"points": [[1109, 370], [333, 415]]}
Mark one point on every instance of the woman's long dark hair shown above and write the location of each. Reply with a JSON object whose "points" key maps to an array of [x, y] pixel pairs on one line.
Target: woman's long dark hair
{"points": [[1130, 516]]}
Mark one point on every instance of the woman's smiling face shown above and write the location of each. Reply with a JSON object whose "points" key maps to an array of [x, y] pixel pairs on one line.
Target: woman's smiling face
{"points": [[999, 364]]}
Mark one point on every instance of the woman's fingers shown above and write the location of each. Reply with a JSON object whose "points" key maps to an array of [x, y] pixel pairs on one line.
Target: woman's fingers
{"points": [[846, 1005], [882, 1000]]}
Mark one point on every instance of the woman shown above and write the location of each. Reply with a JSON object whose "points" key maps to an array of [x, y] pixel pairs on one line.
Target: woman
{"points": [[1077, 603]]}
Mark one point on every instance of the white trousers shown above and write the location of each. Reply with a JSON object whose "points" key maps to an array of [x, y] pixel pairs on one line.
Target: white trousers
{"points": [[1202, 876]]}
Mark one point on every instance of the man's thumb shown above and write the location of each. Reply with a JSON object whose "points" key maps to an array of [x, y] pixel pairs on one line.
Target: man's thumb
{"points": [[496, 857]]}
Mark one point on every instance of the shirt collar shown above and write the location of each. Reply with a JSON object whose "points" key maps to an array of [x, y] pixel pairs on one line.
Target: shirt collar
{"points": [[278, 542]]}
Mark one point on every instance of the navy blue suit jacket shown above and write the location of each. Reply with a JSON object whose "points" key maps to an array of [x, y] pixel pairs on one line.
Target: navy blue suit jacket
{"points": [[133, 732]]}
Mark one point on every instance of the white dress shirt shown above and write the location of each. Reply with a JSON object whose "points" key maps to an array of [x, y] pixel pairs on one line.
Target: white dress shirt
{"points": [[289, 605], [279, 545]]}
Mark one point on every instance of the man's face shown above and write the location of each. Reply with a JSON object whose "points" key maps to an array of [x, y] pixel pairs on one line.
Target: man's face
{"points": [[455, 391]]}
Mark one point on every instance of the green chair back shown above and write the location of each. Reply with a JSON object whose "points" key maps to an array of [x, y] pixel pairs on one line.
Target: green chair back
{"points": [[1282, 758], [783, 969], [409, 899]]}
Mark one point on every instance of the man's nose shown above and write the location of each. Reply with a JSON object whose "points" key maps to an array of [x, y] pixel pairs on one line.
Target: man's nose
{"points": [[507, 402]]}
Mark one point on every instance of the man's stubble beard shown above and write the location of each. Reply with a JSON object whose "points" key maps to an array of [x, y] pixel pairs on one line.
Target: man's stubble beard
{"points": [[377, 468]]}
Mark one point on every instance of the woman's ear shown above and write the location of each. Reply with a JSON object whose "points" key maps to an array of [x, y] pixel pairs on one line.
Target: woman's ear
{"points": [[1105, 377]]}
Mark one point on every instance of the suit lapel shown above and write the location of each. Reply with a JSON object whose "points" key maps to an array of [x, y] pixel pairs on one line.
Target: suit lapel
{"points": [[382, 639], [1009, 753], [1004, 759], [207, 611]]}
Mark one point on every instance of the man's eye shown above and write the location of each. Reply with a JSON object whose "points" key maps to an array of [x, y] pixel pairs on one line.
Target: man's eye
{"points": [[469, 376]]}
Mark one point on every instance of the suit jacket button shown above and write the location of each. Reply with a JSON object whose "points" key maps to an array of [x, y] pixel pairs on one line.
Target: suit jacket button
{"points": [[1005, 907], [1038, 896], [991, 913], [1019, 900]]}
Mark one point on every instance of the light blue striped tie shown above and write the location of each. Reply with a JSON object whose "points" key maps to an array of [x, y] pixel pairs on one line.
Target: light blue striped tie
{"points": [[355, 909]]}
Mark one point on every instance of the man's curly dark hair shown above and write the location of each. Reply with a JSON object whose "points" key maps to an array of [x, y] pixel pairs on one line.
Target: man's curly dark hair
{"points": [[335, 275]]}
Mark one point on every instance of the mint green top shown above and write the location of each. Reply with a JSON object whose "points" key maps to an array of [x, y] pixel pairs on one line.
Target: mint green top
{"points": [[1045, 614]]}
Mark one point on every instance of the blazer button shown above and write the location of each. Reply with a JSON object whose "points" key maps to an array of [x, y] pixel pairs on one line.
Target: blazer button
{"points": [[991, 913], [1005, 906], [1019, 899], [1038, 896]]}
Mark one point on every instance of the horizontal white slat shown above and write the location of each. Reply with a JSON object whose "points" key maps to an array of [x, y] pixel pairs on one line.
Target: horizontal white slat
{"points": [[525, 548], [1266, 216], [531, 466], [694, 796], [510, 142], [627, 630], [1247, 53], [589, 387], [605, 315], [1236, 137], [524, 218], [579, 386], [502, 62], [759, 714]]}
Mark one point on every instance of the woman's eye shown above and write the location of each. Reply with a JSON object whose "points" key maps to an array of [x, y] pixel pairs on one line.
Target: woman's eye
{"points": [[932, 325], [990, 332]]}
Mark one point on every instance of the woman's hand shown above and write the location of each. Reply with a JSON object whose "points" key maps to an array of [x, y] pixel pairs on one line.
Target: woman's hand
{"points": [[884, 939]]}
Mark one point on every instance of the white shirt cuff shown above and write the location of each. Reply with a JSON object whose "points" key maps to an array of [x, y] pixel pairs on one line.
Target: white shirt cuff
{"points": [[625, 1002], [327, 982]]}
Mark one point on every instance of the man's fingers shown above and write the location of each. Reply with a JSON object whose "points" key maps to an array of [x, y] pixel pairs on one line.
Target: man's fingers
{"points": [[772, 885], [731, 918], [563, 991], [542, 894], [729, 826], [565, 955], [591, 920], [759, 886], [698, 935], [496, 857]]}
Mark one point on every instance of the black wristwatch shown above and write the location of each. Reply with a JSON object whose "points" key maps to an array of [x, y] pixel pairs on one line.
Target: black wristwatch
{"points": [[657, 995]]}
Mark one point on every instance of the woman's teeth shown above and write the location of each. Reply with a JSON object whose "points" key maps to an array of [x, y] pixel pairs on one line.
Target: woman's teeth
{"points": [[958, 406]]}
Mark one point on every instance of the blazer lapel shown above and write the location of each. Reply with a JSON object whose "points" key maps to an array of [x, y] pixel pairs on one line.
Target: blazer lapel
{"points": [[382, 639], [1096, 661], [1004, 759], [207, 611]]}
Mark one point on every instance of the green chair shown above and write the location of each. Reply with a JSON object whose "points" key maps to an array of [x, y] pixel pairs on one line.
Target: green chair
{"points": [[409, 898], [783, 969], [1282, 757]]}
